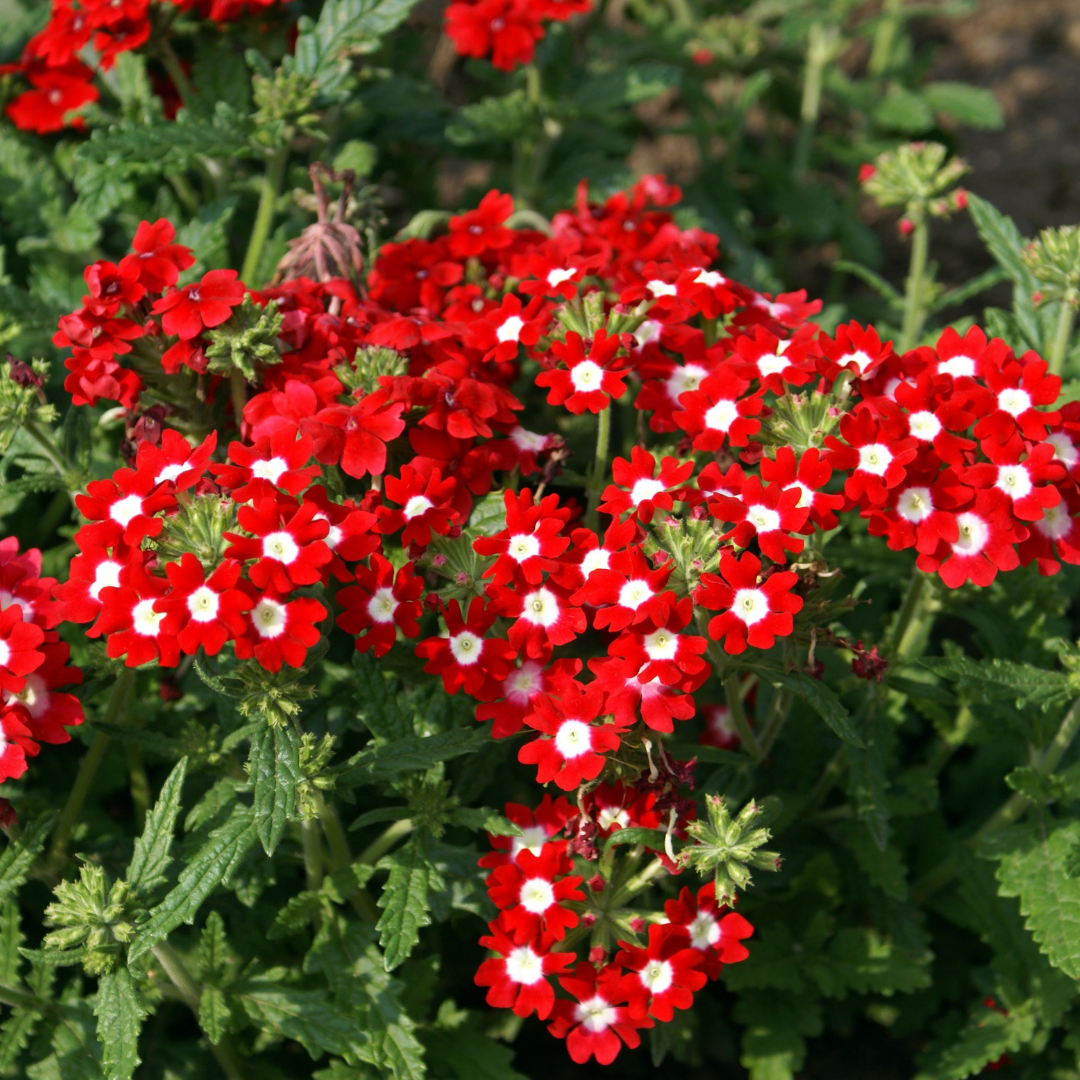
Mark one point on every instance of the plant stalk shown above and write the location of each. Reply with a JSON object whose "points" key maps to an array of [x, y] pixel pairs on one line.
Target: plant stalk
{"points": [[738, 717], [88, 768], [819, 51], [382, 843], [1059, 350], [49, 447], [914, 297], [599, 471], [909, 617], [264, 216], [341, 856]]}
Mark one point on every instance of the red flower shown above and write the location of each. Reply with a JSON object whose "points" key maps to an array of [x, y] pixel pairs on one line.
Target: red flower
{"points": [[1055, 536], [530, 543], [276, 461], [132, 623], [717, 412], [48, 713], [349, 537], [200, 306], [427, 506], [1018, 386], [16, 743], [530, 892], [594, 1024], [57, 91], [984, 545], [809, 476], [767, 513], [776, 363], [589, 380], [756, 614], [482, 229], [175, 460], [356, 436], [504, 328], [90, 572], [628, 594], [645, 491], [123, 508], [719, 728], [155, 256], [1019, 480], [663, 652], [935, 411], [544, 617], [666, 974], [515, 694], [571, 746], [616, 806], [537, 828], [507, 29], [853, 349], [279, 631], [200, 611], [380, 603], [517, 977], [465, 658], [660, 705], [920, 512], [718, 937], [286, 544], [874, 457], [588, 554], [110, 286]]}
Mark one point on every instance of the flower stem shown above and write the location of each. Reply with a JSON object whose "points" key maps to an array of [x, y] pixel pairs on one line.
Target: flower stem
{"points": [[48, 446], [191, 993], [909, 617], [176, 71], [738, 717], [818, 53], [313, 869], [1059, 350], [599, 470], [88, 768], [341, 856], [264, 216], [238, 392], [914, 297], [385, 841], [884, 37]]}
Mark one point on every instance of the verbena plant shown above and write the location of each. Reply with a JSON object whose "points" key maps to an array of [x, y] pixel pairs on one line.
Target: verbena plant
{"points": [[327, 562]]}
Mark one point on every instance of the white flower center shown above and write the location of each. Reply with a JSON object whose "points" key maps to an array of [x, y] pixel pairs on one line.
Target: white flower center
{"points": [[522, 547], [771, 365], [536, 895], [649, 330], [610, 816], [704, 931], [34, 696], [684, 378], [875, 458], [806, 494], [915, 504], [763, 518], [711, 278], [634, 593], [382, 605], [573, 739], [1055, 522], [145, 620], [859, 359], [661, 644], [660, 288], [280, 546], [645, 489], [1064, 451], [269, 470], [541, 607], [107, 573], [1014, 480], [597, 559], [417, 505], [558, 276], [1014, 401], [532, 838], [170, 472], [722, 415], [523, 683], [123, 510], [528, 440], [466, 647], [333, 536], [268, 618], [595, 1014], [924, 425], [750, 605], [656, 976], [974, 532], [6, 600], [524, 966], [957, 367], [5, 653], [511, 329], [203, 604], [587, 375]]}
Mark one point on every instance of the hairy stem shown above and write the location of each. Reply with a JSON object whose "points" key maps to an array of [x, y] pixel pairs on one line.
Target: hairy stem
{"points": [[1059, 350], [599, 470], [884, 38], [819, 51], [909, 617], [341, 856], [385, 841], [176, 71], [49, 448], [914, 296], [191, 993], [264, 216], [313, 868], [21, 999], [238, 394], [88, 768], [738, 717]]}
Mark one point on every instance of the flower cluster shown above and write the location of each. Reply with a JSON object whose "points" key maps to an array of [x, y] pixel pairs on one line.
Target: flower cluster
{"points": [[657, 968], [54, 65], [505, 30]]}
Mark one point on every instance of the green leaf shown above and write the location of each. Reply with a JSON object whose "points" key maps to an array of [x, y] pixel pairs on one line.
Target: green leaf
{"points": [[381, 763], [626, 86], [220, 73], [15, 1034], [492, 119], [11, 937], [1004, 680], [274, 767], [1033, 862], [489, 514], [377, 701], [904, 110], [1002, 239], [213, 864], [311, 1017], [987, 1035], [119, 1016], [344, 28], [404, 900], [76, 1053], [868, 781], [875, 281], [213, 1013], [213, 955], [862, 961], [19, 856], [297, 914], [962, 293], [470, 1054], [974, 106], [379, 814], [651, 838], [775, 1028], [817, 695], [482, 817], [146, 871]]}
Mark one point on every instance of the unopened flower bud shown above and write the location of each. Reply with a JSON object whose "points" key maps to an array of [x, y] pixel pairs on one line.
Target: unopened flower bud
{"points": [[462, 578], [866, 171], [637, 924], [597, 954], [596, 883], [589, 918], [905, 226], [438, 560]]}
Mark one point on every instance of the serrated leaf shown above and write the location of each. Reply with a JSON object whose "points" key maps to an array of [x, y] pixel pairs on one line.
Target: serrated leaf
{"points": [[974, 106], [775, 1028], [987, 1036], [862, 961], [311, 1017], [119, 1014], [1033, 861], [505, 118], [15, 1034], [385, 762], [213, 1013], [213, 864], [19, 856], [377, 701], [380, 814], [651, 838], [904, 110], [874, 280], [482, 817], [219, 798], [817, 695], [76, 1052], [11, 937], [150, 860], [489, 514], [296, 915], [404, 901], [1019, 684], [220, 73], [274, 767], [212, 956], [626, 86], [470, 1054]]}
